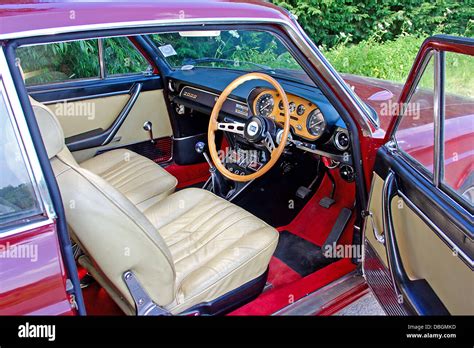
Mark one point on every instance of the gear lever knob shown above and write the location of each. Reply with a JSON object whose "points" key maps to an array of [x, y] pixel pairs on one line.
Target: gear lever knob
{"points": [[200, 147]]}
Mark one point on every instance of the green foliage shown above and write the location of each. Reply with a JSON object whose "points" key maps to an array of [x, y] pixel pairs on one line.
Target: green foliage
{"points": [[331, 22], [59, 61], [391, 60], [78, 59]]}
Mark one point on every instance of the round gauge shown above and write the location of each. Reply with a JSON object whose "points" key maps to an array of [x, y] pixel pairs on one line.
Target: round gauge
{"points": [[300, 110], [316, 123], [292, 107], [264, 105], [280, 105]]}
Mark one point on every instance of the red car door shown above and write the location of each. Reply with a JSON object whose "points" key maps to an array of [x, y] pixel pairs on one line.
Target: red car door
{"points": [[34, 279], [419, 241]]}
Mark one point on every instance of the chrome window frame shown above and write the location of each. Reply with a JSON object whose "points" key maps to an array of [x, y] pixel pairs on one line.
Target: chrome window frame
{"points": [[102, 72], [413, 162], [29, 156], [437, 176]]}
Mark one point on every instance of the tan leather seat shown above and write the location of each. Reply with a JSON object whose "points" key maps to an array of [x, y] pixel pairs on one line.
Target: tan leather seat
{"points": [[138, 178], [188, 248]]}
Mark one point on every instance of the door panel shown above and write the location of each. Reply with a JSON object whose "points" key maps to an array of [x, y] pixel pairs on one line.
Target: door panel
{"points": [[424, 255], [87, 109], [150, 106]]}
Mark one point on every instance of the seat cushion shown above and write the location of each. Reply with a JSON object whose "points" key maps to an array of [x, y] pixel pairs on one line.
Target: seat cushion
{"points": [[215, 245], [138, 178]]}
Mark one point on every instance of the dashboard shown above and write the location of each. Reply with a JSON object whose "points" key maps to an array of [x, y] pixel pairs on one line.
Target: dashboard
{"points": [[315, 125]]}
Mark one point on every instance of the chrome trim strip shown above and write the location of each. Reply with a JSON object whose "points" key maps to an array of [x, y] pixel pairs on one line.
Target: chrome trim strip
{"points": [[135, 24], [24, 138], [292, 28], [27, 227], [94, 96], [437, 121], [189, 136], [318, 300], [462, 255], [100, 47]]}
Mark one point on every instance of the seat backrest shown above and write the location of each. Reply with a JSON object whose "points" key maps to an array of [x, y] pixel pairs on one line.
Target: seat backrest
{"points": [[112, 232]]}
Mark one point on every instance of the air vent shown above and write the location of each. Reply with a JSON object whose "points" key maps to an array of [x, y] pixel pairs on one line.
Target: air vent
{"points": [[341, 140]]}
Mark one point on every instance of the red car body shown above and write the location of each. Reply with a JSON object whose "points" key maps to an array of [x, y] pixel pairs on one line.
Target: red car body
{"points": [[22, 282]]}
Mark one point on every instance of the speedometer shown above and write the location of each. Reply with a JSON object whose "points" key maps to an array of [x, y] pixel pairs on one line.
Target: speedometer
{"points": [[264, 105], [316, 123]]}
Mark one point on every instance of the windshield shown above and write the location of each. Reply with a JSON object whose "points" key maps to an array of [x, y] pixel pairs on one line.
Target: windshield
{"points": [[233, 49]]}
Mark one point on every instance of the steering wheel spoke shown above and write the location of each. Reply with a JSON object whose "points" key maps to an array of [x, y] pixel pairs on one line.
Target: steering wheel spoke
{"points": [[251, 130], [232, 127], [269, 143]]}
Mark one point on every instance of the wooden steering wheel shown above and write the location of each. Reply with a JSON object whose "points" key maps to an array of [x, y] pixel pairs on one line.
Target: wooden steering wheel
{"points": [[254, 129]]}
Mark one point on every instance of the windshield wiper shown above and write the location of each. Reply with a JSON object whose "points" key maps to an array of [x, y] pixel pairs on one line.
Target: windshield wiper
{"points": [[194, 61]]}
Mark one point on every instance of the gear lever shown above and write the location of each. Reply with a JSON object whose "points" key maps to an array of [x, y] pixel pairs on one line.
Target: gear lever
{"points": [[219, 185], [200, 148]]}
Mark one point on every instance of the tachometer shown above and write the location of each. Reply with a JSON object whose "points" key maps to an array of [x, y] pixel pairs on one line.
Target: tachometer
{"points": [[316, 123], [264, 105]]}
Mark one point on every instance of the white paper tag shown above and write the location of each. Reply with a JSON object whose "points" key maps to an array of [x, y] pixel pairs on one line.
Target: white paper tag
{"points": [[167, 50]]}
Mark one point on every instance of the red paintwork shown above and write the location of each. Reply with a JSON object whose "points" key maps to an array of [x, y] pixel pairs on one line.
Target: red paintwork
{"points": [[25, 282], [33, 15]]}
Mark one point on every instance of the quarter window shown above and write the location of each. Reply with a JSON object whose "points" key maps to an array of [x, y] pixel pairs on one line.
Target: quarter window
{"points": [[18, 200], [415, 132], [121, 57], [59, 62]]}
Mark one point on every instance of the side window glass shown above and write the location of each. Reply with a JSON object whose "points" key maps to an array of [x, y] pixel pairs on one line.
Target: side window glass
{"points": [[59, 62], [17, 195], [459, 125], [415, 132], [121, 57]]}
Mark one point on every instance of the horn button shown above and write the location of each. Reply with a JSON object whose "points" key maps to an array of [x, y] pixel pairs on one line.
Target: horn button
{"points": [[255, 129]]}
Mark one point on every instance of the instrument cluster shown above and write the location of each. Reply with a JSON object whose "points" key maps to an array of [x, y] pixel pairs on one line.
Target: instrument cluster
{"points": [[306, 119]]}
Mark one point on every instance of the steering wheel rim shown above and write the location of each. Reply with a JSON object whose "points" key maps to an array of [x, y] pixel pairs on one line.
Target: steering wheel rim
{"points": [[213, 126]]}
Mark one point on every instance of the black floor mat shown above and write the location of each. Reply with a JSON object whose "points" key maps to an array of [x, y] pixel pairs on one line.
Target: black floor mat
{"points": [[302, 256], [272, 197]]}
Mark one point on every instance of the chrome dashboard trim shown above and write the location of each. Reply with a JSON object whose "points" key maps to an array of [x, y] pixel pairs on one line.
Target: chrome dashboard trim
{"points": [[211, 93]]}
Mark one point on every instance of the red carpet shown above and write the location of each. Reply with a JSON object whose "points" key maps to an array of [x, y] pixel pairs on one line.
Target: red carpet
{"points": [[314, 224], [189, 174], [273, 300], [280, 274]]}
